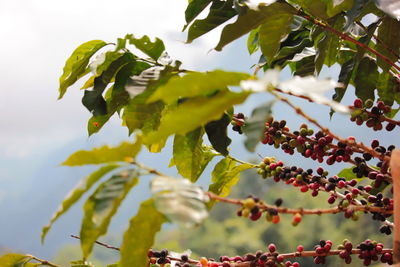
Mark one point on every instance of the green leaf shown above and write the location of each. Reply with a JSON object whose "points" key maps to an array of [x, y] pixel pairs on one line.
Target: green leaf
{"points": [[317, 8], [193, 113], [14, 260], [366, 79], [76, 194], [194, 8], [93, 99], [335, 7], [225, 175], [101, 206], [89, 83], [104, 154], [217, 133], [196, 84], [251, 19], [252, 41], [344, 78], [389, 34], [98, 66], [190, 157], [144, 44], [388, 88], [255, 125], [274, 30], [139, 237], [220, 12], [76, 64], [304, 67], [329, 45]]}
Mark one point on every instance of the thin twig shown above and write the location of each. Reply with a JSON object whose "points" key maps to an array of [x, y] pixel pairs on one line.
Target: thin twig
{"points": [[99, 243], [42, 262]]}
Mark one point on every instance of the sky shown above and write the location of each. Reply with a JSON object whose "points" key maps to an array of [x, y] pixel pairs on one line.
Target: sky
{"points": [[37, 131]]}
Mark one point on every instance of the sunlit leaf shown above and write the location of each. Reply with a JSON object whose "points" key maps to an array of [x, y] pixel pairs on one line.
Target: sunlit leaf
{"points": [[274, 30], [217, 133], [225, 175], [140, 235], [102, 61], [252, 41], [104, 154], [144, 44], [179, 200], [220, 12], [14, 260], [196, 84], [251, 19], [366, 79], [347, 173], [76, 193], [137, 84], [388, 88], [190, 157], [255, 125], [193, 113], [101, 206], [76, 64], [317, 8]]}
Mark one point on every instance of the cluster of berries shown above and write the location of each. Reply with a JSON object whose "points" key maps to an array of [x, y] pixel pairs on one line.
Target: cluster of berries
{"points": [[322, 249], [370, 252], [373, 116], [158, 257]]}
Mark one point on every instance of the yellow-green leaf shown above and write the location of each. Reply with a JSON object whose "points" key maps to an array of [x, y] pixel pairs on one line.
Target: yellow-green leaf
{"points": [[139, 237], [190, 157], [76, 193], [193, 113], [14, 260], [76, 64], [102, 205], [196, 84], [224, 176], [104, 154]]}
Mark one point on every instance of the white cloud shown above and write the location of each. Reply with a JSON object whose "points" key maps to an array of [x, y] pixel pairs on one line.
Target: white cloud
{"points": [[38, 36]]}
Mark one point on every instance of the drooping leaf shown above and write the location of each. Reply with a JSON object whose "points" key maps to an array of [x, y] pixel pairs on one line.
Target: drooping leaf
{"points": [[389, 34], [366, 79], [181, 201], [252, 41], [274, 30], [76, 193], [334, 7], [144, 44], [255, 125], [194, 8], [225, 175], [217, 133], [101, 206], [220, 12], [93, 100], [76, 64], [196, 84], [193, 113], [248, 21], [329, 45], [139, 236], [104, 154], [89, 83], [189, 155]]}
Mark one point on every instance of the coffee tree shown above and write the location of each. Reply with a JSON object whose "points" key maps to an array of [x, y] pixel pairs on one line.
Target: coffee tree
{"points": [[156, 99]]}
